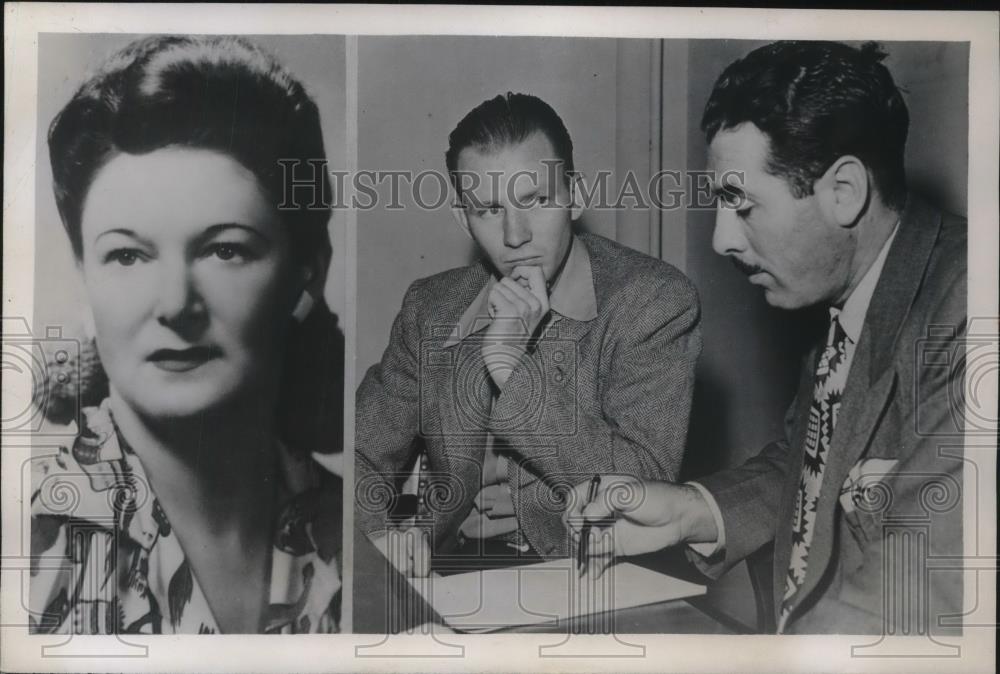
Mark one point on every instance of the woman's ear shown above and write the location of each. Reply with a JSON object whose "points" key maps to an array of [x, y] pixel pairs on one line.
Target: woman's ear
{"points": [[311, 284], [844, 190]]}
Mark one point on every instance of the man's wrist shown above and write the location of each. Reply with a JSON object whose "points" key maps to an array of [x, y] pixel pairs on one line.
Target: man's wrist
{"points": [[700, 522]]}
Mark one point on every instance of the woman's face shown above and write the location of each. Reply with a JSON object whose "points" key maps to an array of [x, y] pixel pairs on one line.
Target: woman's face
{"points": [[189, 274]]}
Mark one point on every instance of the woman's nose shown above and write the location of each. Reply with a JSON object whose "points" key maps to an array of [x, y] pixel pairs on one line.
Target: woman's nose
{"points": [[178, 303]]}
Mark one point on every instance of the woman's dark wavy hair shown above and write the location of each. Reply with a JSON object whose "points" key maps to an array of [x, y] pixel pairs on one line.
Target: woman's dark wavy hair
{"points": [[817, 101], [228, 95]]}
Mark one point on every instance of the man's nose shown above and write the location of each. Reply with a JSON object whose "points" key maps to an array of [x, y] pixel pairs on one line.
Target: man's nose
{"points": [[516, 227], [179, 306], [728, 237]]}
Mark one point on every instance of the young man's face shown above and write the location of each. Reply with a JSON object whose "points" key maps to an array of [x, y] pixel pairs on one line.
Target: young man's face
{"points": [[782, 243], [517, 205]]}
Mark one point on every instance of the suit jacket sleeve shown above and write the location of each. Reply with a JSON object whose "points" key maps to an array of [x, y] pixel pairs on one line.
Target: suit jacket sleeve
{"points": [[386, 418], [749, 498], [645, 397]]}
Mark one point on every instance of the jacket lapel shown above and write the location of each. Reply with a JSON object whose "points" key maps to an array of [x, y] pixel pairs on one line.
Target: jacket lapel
{"points": [[455, 384], [870, 384]]}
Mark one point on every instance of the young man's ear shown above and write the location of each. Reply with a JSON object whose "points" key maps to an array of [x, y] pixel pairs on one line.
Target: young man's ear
{"points": [[577, 186], [844, 191], [458, 212]]}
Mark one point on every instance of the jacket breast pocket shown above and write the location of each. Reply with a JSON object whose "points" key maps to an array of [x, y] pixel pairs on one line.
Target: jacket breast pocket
{"points": [[865, 496]]}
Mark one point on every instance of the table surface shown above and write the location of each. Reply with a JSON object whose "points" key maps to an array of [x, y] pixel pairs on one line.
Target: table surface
{"points": [[385, 602]]}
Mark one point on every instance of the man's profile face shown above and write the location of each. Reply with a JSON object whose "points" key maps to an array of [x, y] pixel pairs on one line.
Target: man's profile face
{"points": [[517, 205], [782, 243]]}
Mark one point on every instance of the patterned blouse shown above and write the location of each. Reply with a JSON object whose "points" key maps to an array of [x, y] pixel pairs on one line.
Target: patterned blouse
{"points": [[105, 560]]}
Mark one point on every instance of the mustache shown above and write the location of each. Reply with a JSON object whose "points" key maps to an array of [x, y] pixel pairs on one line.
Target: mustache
{"points": [[748, 269]]}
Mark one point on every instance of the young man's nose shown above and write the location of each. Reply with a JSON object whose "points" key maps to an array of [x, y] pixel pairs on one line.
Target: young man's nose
{"points": [[516, 228], [728, 237]]}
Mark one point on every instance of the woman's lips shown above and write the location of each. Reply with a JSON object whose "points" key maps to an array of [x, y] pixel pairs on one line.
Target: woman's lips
{"points": [[182, 360]]}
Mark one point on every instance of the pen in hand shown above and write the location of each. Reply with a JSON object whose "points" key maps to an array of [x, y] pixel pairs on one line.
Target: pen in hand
{"points": [[581, 551]]}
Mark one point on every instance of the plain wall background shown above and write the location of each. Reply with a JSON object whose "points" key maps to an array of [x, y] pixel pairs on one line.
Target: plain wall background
{"points": [[65, 60]]}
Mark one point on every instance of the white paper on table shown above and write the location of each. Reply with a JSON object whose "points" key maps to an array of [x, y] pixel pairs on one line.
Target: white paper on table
{"points": [[483, 601]]}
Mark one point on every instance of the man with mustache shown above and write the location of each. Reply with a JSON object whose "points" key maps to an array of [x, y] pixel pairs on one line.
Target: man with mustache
{"points": [[806, 140], [556, 356]]}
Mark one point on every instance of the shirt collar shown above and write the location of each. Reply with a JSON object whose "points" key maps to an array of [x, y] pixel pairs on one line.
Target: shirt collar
{"points": [[852, 316], [572, 296], [109, 466]]}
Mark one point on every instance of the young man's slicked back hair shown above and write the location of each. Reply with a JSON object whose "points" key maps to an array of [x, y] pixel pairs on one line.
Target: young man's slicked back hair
{"points": [[816, 102], [504, 121]]}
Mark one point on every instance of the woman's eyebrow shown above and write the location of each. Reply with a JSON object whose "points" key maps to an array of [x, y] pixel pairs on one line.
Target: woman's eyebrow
{"points": [[124, 231], [223, 226]]}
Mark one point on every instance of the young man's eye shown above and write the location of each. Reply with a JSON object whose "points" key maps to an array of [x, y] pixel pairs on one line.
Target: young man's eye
{"points": [[541, 200], [492, 211], [125, 257], [744, 212]]}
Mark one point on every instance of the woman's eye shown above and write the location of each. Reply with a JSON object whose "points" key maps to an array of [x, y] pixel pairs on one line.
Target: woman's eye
{"points": [[744, 212], [228, 252], [126, 257], [541, 200]]}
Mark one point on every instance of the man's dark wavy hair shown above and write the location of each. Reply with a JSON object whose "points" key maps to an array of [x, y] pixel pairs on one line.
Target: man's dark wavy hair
{"points": [[228, 95], [816, 102], [507, 120]]}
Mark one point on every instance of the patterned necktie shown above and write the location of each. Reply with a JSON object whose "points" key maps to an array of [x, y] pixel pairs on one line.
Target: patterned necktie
{"points": [[828, 387]]}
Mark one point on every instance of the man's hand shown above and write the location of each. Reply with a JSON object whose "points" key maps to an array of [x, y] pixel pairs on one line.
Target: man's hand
{"points": [[517, 305], [409, 550], [631, 517]]}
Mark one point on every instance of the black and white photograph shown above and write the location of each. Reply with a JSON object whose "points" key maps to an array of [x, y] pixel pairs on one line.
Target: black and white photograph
{"points": [[496, 338], [201, 366], [648, 249]]}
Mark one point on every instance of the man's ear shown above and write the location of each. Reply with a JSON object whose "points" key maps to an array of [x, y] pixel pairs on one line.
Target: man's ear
{"points": [[458, 212], [844, 190], [576, 189]]}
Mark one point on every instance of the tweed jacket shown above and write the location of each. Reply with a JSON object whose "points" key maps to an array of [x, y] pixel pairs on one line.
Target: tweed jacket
{"points": [[608, 395], [894, 468]]}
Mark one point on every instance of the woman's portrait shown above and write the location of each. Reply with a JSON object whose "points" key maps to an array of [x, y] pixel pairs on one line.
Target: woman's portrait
{"points": [[201, 491]]}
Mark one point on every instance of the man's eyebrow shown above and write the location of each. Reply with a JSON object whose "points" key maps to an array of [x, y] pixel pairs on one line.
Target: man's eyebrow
{"points": [[473, 201], [732, 191], [529, 192]]}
